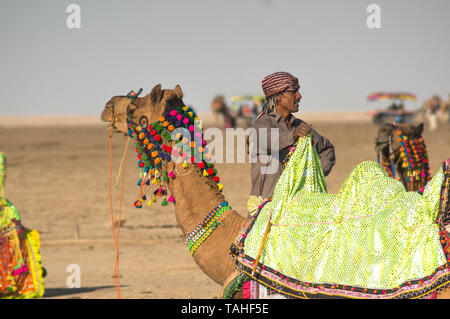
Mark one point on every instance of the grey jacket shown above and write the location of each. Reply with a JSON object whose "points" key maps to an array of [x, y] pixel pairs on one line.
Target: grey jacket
{"points": [[264, 184]]}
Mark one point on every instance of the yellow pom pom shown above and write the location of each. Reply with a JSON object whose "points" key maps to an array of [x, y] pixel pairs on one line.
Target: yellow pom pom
{"points": [[149, 203], [190, 114], [220, 186], [205, 173], [185, 165], [185, 108], [154, 181]]}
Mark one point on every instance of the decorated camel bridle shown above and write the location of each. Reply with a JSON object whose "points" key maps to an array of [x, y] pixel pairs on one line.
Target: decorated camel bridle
{"points": [[413, 157], [176, 134]]}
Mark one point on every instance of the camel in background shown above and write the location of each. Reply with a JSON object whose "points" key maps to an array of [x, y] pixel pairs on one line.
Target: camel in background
{"points": [[436, 111], [396, 146]]}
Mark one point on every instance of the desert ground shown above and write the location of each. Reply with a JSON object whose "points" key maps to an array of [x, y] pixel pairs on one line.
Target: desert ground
{"points": [[58, 173]]}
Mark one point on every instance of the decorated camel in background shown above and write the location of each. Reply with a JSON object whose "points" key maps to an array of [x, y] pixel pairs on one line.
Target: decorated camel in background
{"points": [[402, 152], [204, 216]]}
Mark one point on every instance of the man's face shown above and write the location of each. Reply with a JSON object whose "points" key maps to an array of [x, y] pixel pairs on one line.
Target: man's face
{"points": [[289, 101]]}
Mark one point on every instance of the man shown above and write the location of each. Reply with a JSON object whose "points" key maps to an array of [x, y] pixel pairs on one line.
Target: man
{"points": [[282, 94]]}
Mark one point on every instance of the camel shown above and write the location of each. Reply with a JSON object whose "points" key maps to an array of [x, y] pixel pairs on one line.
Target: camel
{"points": [[436, 111], [222, 111], [195, 194], [187, 186], [392, 155]]}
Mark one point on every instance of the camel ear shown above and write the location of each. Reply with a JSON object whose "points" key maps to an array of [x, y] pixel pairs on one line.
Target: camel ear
{"points": [[156, 94], [419, 129], [178, 91]]}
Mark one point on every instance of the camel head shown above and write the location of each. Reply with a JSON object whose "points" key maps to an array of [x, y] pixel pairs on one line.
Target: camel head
{"points": [[166, 134], [402, 145], [141, 110], [116, 110]]}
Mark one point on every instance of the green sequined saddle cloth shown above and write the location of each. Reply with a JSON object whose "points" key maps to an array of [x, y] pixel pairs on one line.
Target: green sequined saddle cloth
{"points": [[371, 240]]}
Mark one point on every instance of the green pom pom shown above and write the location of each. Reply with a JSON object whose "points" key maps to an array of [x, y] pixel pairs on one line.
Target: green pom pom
{"points": [[164, 202]]}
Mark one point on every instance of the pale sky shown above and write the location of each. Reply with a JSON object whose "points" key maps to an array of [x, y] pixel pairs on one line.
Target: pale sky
{"points": [[211, 47]]}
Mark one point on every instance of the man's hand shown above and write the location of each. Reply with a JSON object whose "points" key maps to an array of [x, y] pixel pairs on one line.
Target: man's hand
{"points": [[301, 131]]}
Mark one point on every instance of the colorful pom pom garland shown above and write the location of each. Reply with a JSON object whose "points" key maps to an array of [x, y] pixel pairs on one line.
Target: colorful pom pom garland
{"points": [[414, 159], [154, 149]]}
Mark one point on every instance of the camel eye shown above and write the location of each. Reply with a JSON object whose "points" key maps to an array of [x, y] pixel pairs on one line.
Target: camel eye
{"points": [[143, 121], [131, 108]]}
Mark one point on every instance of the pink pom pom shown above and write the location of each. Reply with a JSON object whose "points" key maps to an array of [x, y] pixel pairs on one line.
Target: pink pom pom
{"points": [[171, 174], [191, 128], [198, 134], [185, 120], [179, 117], [173, 112], [171, 199]]}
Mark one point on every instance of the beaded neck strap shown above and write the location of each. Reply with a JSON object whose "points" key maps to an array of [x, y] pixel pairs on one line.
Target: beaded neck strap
{"points": [[203, 230]]}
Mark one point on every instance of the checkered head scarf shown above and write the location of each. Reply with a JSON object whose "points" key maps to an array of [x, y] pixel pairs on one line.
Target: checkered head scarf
{"points": [[275, 83]]}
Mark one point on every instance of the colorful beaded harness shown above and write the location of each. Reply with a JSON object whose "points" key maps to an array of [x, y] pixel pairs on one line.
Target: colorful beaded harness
{"points": [[154, 151], [153, 147], [414, 158], [204, 229]]}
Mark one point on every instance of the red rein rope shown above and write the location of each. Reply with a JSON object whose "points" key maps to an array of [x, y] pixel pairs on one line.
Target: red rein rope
{"points": [[116, 238]]}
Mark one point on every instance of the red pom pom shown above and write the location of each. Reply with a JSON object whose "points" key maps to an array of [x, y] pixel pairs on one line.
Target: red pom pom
{"points": [[216, 179], [157, 138], [201, 165], [152, 132], [210, 171]]}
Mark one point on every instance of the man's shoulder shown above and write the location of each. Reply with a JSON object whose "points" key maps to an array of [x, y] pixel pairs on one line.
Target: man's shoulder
{"points": [[263, 120], [298, 121]]}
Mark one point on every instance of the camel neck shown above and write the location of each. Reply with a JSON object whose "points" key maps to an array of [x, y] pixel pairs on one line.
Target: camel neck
{"points": [[196, 196]]}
